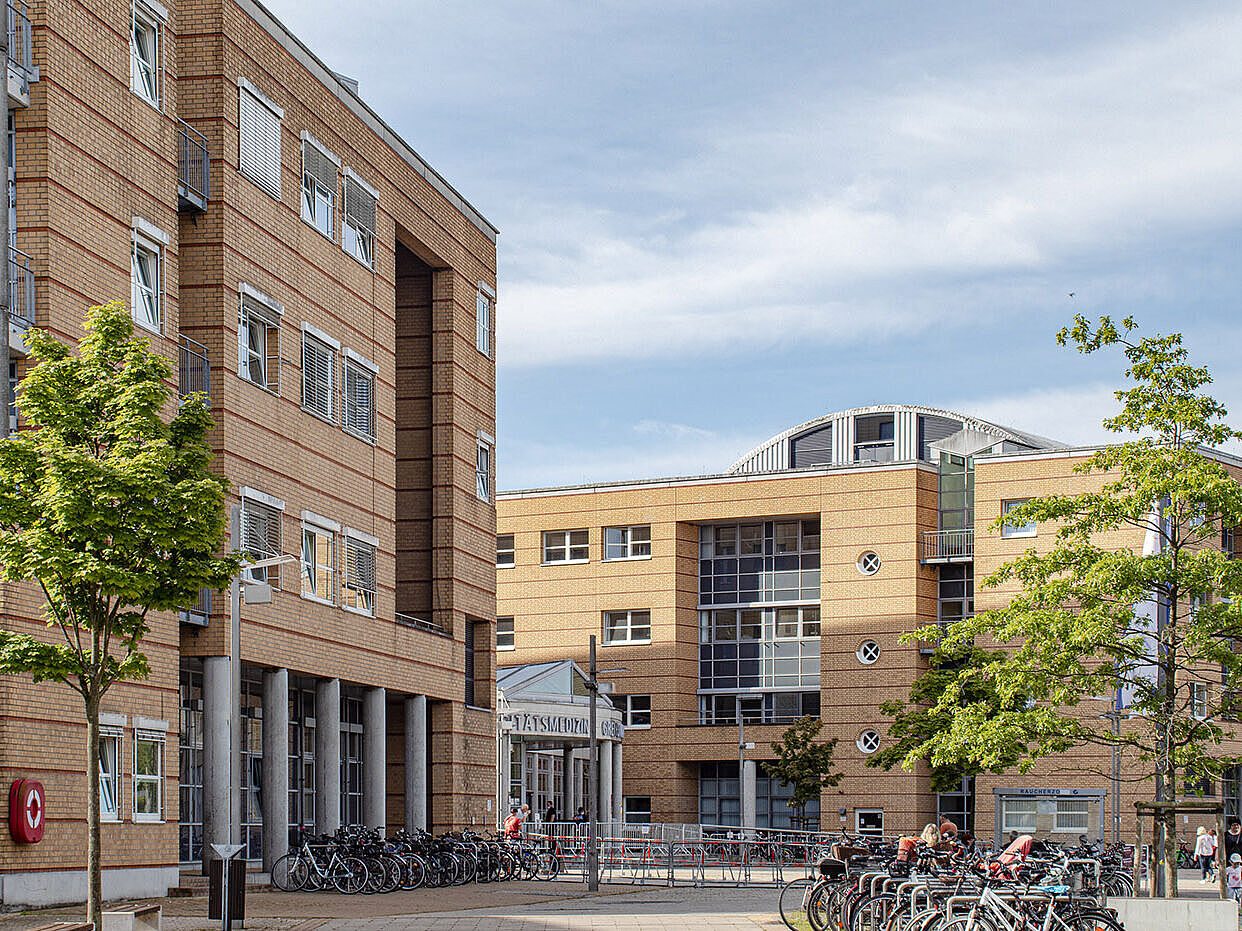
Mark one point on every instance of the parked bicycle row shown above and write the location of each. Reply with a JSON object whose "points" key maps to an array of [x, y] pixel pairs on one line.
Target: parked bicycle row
{"points": [[355, 860], [929, 885]]}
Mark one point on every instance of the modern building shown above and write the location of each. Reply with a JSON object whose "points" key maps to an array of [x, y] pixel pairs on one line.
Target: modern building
{"points": [[739, 601], [334, 296]]}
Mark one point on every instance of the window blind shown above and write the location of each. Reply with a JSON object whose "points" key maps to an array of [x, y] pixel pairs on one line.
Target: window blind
{"points": [[359, 416], [258, 141], [318, 366]]}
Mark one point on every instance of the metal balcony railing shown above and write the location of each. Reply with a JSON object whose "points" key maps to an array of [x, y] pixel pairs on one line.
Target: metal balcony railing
{"points": [[193, 168], [21, 290], [194, 368], [947, 546], [409, 620], [198, 614], [21, 46]]}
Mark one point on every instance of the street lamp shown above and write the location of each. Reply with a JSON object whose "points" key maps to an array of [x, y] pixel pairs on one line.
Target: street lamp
{"points": [[593, 779]]}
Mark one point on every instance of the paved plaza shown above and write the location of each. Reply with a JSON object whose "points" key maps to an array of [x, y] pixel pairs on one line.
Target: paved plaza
{"points": [[519, 906]]}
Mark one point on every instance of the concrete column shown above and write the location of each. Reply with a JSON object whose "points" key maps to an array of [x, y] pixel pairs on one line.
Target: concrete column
{"points": [[275, 765], [605, 780], [748, 794], [618, 796], [374, 758], [217, 771], [568, 803], [328, 755], [416, 763]]}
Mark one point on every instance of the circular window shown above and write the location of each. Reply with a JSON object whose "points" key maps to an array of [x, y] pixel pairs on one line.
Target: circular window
{"points": [[868, 563], [868, 741], [868, 652]]}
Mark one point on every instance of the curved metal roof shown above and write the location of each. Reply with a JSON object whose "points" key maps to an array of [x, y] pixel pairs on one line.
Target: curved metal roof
{"points": [[775, 451]]}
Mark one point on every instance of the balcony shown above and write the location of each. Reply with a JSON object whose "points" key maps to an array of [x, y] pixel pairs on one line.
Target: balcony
{"points": [[193, 369], [193, 169], [199, 613], [946, 546], [21, 300], [22, 68], [408, 620]]}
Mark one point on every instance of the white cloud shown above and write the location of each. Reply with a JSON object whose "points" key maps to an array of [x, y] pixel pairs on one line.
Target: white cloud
{"points": [[1072, 414]]}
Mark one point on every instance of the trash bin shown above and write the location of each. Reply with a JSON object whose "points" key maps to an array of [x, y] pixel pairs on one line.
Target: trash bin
{"points": [[236, 890]]}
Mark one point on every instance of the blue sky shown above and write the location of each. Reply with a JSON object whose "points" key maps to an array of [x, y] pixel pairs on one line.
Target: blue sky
{"points": [[720, 219]]}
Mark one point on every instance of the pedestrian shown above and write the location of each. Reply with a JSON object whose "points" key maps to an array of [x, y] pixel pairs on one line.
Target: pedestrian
{"points": [[948, 830], [1204, 849], [513, 824], [580, 815], [549, 814], [1233, 876], [1215, 852]]}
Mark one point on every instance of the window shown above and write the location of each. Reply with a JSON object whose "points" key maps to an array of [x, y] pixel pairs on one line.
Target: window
{"points": [[873, 438], [319, 167], [258, 341], [869, 821], [469, 664], [868, 741], [144, 54], [1073, 815], [483, 470], [318, 563], [627, 542], [318, 377], [1016, 530], [258, 137], [261, 537], [627, 627], [504, 551], [635, 709], [1228, 535], [146, 294], [1018, 814], [148, 777], [360, 574], [868, 652], [565, 546], [1199, 700], [360, 204], [483, 322], [868, 563], [638, 809], [955, 593], [504, 633], [359, 414], [110, 775], [760, 562]]}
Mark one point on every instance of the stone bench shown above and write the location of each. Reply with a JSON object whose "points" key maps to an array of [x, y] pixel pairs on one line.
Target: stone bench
{"points": [[66, 926], [132, 918]]}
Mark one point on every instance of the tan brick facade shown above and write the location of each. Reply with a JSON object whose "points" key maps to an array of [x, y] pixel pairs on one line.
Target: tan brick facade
{"points": [[92, 156]]}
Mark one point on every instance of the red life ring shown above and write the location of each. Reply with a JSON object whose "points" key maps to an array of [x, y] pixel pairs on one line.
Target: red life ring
{"points": [[27, 811]]}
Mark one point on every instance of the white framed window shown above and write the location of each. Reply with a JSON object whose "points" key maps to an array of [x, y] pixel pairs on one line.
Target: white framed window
{"points": [[627, 542], [565, 546], [358, 413], [1015, 530], [1199, 700], [148, 777], [483, 322], [868, 741], [260, 534], [483, 470], [504, 551], [1073, 815], [319, 185], [1019, 814], [868, 652], [361, 201], [359, 580], [869, 821], [145, 48], [109, 774], [146, 284], [869, 563], [258, 137], [638, 809], [258, 340], [635, 710], [1227, 537], [318, 561], [504, 633], [318, 374], [627, 627]]}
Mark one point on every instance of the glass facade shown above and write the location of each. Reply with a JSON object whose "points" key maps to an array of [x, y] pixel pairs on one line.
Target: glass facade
{"points": [[301, 759], [759, 563], [957, 492], [955, 594], [720, 804], [351, 760], [191, 759], [252, 764]]}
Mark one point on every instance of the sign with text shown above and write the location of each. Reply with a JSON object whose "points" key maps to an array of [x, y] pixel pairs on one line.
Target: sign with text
{"points": [[559, 725]]}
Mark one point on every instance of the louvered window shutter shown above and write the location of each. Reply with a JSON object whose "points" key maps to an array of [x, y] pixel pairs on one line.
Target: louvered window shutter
{"points": [[359, 401], [359, 205], [316, 164], [469, 663], [258, 140], [318, 364]]}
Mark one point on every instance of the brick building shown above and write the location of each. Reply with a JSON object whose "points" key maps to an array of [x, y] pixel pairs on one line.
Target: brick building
{"points": [[740, 601], [334, 296]]}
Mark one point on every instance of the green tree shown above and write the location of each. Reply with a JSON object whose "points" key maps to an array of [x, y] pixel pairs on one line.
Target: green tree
{"points": [[112, 511], [803, 762], [1157, 626], [917, 721]]}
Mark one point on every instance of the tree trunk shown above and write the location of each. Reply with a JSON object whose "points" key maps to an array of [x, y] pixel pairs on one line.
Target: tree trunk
{"points": [[94, 871]]}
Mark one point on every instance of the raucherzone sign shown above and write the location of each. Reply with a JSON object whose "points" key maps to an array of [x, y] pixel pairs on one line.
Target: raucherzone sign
{"points": [[559, 725]]}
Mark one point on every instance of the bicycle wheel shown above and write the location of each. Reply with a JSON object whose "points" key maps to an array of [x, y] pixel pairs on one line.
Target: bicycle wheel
{"points": [[350, 875], [821, 908], [970, 923], [1095, 920], [414, 872], [792, 903], [548, 866], [873, 912], [283, 871]]}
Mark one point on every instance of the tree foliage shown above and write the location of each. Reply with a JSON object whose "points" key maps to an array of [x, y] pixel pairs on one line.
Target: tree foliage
{"points": [[804, 762], [1156, 625], [110, 509], [918, 720]]}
